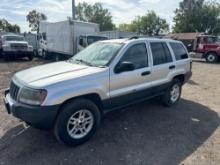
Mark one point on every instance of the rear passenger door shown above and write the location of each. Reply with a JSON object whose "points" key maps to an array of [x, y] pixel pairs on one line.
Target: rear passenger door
{"points": [[162, 63], [183, 62]]}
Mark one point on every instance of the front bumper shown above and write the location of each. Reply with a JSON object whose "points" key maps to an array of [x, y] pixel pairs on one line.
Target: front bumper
{"points": [[42, 117], [18, 53]]}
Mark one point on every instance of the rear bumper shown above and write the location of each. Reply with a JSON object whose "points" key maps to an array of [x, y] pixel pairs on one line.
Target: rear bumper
{"points": [[42, 117], [187, 77]]}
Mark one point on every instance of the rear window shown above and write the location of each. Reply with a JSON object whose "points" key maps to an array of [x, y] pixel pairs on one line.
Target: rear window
{"points": [[179, 51]]}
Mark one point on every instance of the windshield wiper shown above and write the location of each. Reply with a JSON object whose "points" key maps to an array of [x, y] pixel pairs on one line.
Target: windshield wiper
{"points": [[84, 62]]}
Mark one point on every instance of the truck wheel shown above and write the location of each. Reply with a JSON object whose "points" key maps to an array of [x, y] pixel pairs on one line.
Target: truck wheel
{"points": [[173, 94], [30, 57], [44, 55], [0, 53], [6, 57], [77, 122], [211, 58]]}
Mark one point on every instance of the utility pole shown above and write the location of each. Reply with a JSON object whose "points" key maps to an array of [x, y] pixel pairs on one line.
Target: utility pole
{"points": [[73, 10]]}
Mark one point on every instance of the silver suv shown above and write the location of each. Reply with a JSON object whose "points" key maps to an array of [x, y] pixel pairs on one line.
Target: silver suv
{"points": [[70, 97]]}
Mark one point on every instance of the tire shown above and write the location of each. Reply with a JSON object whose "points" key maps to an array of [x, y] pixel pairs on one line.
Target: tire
{"points": [[57, 58], [44, 55], [211, 57], [0, 53], [168, 99], [6, 57], [30, 57], [69, 118]]}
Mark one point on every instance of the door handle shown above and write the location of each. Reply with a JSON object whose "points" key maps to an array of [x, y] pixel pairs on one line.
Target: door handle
{"points": [[172, 67], [145, 73]]}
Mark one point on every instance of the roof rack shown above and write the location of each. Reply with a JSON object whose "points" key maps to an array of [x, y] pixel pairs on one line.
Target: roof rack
{"points": [[134, 37]]}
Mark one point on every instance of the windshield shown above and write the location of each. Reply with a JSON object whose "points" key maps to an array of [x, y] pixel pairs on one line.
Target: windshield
{"points": [[14, 38], [212, 39], [93, 39], [98, 54]]}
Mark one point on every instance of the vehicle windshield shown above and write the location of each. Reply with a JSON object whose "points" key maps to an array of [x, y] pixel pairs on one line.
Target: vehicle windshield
{"points": [[93, 39], [98, 54], [14, 38], [212, 39]]}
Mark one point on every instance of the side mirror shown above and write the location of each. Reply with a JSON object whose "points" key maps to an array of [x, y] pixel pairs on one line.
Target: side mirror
{"points": [[189, 45], [124, 67]]}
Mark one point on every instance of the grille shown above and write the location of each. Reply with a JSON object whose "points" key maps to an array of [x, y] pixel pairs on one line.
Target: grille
{"points": [[14, 89], [19, 46]]}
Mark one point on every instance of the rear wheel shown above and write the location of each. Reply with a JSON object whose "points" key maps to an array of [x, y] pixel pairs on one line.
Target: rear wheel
{"points": [[173, 94], [44, 54], [77, 122], [211, 57]]}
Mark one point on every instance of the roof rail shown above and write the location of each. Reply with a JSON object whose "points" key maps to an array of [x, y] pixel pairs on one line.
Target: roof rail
{"points": [[134, 37]]}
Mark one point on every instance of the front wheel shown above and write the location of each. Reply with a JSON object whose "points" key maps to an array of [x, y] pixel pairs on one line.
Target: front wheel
{"points": [[5, 56], [211, 58], [77, 122], [173, 94], [30, 57]]}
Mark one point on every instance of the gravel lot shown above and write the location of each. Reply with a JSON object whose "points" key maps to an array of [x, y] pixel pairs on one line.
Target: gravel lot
{"points": [[143, 134]]}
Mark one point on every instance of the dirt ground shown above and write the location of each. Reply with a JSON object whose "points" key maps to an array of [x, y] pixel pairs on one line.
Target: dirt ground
{"points": [[143, 134]]}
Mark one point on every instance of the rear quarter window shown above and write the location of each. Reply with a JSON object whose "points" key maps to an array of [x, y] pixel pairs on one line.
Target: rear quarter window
{"points": [[179, 51]]}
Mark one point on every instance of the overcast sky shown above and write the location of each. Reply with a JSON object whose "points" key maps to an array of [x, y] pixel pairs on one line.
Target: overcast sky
{"points": [[123, 11]]}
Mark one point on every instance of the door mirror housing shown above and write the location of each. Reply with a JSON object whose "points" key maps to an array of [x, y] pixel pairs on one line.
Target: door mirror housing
{"points": [[124, 67]]}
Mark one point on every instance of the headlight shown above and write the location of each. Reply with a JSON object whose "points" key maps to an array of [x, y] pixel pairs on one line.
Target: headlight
{"points": [[32, 96], [6, 47], [30, 48]]}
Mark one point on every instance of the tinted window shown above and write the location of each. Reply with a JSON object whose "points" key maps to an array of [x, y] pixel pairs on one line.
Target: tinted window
{"points": [[161, 53], [137, 55], [14, 38], [179, 51], [92, 39]]}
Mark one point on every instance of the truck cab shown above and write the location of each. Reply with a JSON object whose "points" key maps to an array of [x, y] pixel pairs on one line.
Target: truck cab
{"points": [[209, 47], [86, 40]]}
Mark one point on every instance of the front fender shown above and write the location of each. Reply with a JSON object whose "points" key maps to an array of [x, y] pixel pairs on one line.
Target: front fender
{"points": [[60, 95]]}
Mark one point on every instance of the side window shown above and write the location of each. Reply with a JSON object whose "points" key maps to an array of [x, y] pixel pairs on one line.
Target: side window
{"points": [[80, 41], [161, 53], [137, 55], [179, 51]]}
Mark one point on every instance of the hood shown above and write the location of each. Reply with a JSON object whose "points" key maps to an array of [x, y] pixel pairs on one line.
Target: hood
{"points": [[53, 73], [16, 42]]}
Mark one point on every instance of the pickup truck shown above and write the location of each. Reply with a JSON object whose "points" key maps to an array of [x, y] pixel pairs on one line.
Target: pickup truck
{"points": [[70, 97], [15, 46]]}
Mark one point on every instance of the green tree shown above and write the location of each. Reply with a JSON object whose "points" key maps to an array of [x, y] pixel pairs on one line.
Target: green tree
{"points": [[34, 19], [7, 27], [149, 24], [197, 16], [96, 14]]}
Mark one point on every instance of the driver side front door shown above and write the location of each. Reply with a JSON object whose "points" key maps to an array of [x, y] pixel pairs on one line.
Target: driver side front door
{"points": [[127, 87]]}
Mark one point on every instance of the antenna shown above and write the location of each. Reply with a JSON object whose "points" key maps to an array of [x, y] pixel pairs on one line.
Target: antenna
{"points": [[73, 10]]}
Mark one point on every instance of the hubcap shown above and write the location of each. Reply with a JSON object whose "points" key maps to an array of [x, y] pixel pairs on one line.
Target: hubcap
{"points": [[175, 93], [80, 124], [211, 58]]}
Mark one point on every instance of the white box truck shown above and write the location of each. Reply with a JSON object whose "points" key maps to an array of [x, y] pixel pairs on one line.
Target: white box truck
{"points": [[117, 34], [65, 38]]}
